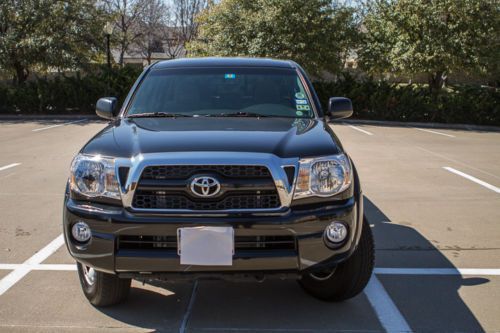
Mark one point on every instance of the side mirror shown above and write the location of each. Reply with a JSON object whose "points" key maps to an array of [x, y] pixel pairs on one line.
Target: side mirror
{"points": [[339, 108], [105, 107]]}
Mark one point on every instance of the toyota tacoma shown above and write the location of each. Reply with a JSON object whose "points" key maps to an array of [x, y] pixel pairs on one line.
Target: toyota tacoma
{"points": [[218, 168]]}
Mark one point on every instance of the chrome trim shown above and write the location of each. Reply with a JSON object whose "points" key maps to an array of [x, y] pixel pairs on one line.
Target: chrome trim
{"points": [[324, 277], [89, 274], [139, 162], [295, 175], [205, 183]]}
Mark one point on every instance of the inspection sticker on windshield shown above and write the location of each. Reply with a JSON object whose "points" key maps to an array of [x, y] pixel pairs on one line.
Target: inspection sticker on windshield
{"points": [[300, 101], [303, 107], [230, 76], [300, 95]]}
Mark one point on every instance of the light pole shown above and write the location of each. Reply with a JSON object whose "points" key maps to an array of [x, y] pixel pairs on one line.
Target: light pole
{"points": [[108, 31]]}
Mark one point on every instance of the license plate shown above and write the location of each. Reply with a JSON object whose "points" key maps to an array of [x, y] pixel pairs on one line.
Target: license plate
{"points": [[206, 246]]}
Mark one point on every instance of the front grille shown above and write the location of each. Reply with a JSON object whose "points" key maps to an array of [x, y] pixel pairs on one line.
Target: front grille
{"points": [[243, 187], [186, 171], [243, 243], [150, 200]]}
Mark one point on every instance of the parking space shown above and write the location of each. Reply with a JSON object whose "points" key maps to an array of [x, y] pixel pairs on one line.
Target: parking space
{"points": [[439, 223], [275, 306], [410, 188], [445, 303], [58, 303], [31, 193]]}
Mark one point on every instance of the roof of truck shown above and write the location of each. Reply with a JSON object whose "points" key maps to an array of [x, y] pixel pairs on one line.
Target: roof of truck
{"points": [[224, 62]]}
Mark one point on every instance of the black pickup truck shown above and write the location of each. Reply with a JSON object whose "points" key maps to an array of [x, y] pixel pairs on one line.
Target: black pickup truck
{"points": [[218, 168]]}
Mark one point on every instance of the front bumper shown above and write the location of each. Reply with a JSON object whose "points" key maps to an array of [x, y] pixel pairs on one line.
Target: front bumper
{"points": [[305, 225]]}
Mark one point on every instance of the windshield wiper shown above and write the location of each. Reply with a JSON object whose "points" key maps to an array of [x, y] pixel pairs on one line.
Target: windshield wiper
{"points": [[236, 114], [156, 114]]}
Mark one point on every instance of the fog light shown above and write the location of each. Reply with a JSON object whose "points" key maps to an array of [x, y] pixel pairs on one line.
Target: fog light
{"points": [[81, 231], [336, 232]]}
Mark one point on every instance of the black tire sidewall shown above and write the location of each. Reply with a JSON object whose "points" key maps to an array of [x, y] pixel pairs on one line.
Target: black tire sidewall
{"points": [[350, 277]]}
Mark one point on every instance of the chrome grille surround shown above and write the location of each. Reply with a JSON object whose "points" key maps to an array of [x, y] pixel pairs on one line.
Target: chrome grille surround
{"points": [[275, 165]]}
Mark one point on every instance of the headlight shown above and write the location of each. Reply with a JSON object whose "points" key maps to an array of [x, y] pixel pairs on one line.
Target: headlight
{"points": [[325, 176], [94, 176]]}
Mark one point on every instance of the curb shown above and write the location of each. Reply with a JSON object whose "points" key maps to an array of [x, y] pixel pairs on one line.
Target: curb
{"points": [[424, 125], [22, 117]]}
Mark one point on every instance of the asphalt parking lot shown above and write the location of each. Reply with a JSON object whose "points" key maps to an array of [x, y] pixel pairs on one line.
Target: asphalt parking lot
{"points": [[432, 197]]}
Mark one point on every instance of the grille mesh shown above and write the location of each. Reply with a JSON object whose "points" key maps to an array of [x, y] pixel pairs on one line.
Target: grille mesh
{"points": [[247, 201], [240, 242], [186, 171], [153, 191]]}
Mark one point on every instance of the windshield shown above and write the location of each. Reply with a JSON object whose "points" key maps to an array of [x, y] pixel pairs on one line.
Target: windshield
{"points": [[252, 92]]}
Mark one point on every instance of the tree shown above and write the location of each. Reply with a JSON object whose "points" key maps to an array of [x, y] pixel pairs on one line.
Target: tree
{"points": [[43, 34], [127, 14], [435, 37], [152, 23], [183, 26], [311, 32]]}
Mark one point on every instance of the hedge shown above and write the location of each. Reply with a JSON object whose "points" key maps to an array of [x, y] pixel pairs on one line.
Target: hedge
{"points": [[377, 100], [380, 100], [63, 94]]}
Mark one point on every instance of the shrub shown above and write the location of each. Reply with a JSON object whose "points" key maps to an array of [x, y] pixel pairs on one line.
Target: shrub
{"points": [[377, 100], [67, 94], [380, 100]]}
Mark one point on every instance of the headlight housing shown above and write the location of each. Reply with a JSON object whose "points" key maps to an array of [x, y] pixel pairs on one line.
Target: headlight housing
{"points": [[323, 177], [94, 176]]}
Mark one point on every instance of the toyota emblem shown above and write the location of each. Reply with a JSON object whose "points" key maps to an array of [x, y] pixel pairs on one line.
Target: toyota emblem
{"points": [[205, 186]]}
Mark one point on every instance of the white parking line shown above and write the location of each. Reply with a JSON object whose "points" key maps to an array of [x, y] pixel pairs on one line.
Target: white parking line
{"points": [[18, 273], [187, 314], [9, 266], [457, 162], [434, 132], [55, 267], [473, 179], [9, 166], [41, 267], [387, 312], [359, 129], [378, 270], [58, 125]]}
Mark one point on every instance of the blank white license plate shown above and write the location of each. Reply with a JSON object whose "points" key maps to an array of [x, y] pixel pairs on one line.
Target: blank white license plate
{"points": [[206, 246]]}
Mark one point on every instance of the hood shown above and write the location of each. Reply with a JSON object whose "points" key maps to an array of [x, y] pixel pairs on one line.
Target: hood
{"points": [[283, 137]]}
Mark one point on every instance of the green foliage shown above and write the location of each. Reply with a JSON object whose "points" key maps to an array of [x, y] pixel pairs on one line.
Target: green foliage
{"points": [[47, 34], [372, 99], [67, 94], [380, 100], [310, 32], [408, 37], [436, 37]]}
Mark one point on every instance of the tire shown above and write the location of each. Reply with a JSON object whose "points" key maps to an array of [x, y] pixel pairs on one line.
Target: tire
{"points": [[102, 289], [348, 278]]}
